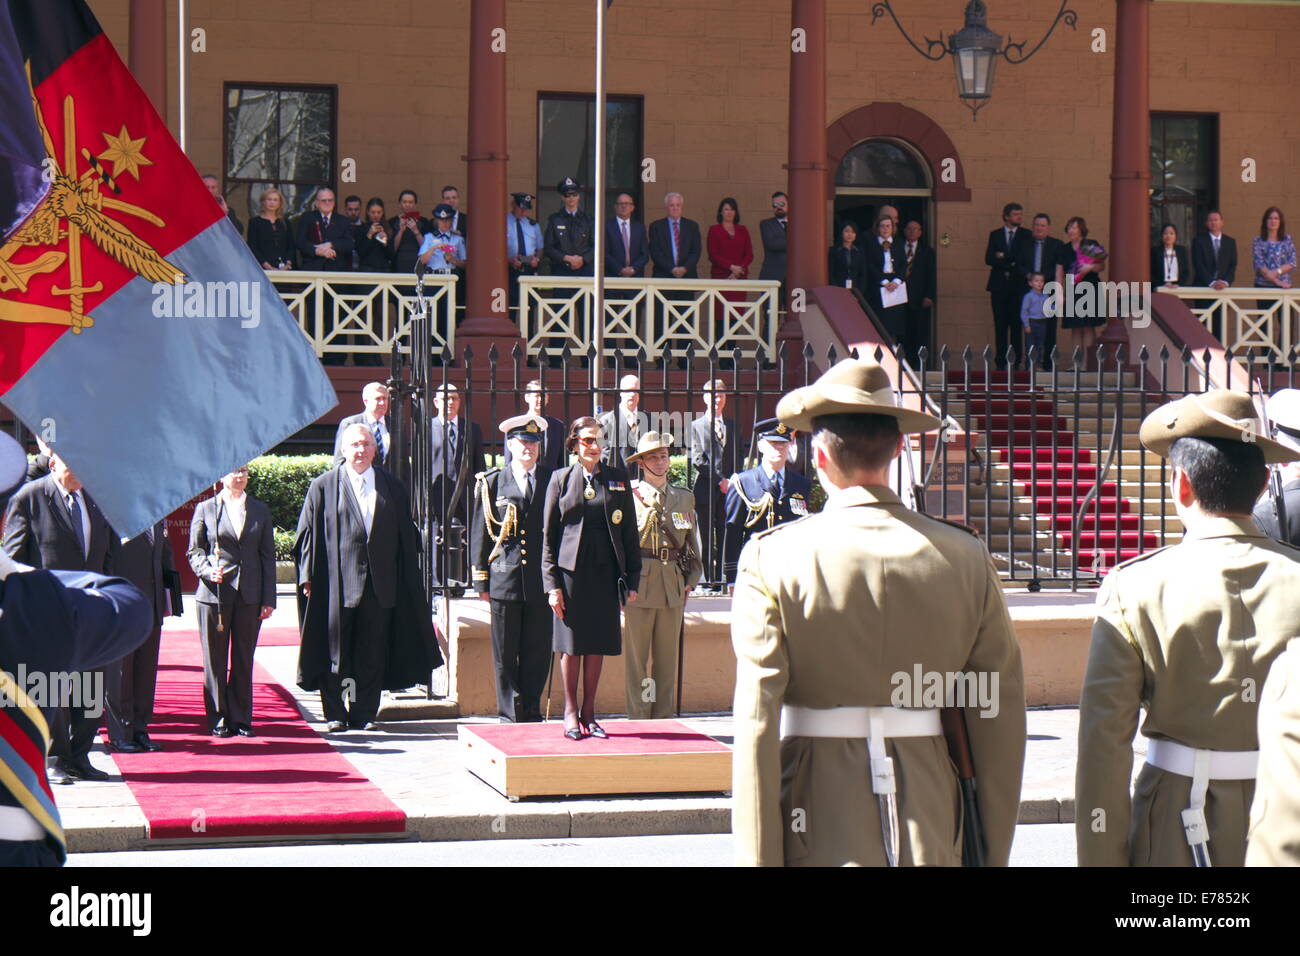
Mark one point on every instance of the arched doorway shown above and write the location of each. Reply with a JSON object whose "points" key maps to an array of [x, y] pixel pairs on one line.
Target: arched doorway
{"points": [[878, 172]]}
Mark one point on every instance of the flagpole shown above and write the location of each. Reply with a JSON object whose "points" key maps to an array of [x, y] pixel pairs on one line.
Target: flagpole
{"points": [[182, 63], [598, 248]]}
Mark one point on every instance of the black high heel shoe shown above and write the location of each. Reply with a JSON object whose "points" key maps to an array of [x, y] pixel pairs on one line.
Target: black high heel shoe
{"points": [[575, 733], [595, 730]]}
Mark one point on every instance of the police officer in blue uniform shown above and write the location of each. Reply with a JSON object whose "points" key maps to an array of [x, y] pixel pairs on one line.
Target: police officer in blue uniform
{"points": [[50, 622], [524, 243], [765, 496], [506, 549]]}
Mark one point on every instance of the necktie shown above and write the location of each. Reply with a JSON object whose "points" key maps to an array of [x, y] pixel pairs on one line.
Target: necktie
{"points": [[1038, 255], [1010, 235], [519, 238], [677, 240], [722, 434], [528, 492], [325, 222], [627, 245], [451, 442], [777, 485], [74, 509], [379, 442]]}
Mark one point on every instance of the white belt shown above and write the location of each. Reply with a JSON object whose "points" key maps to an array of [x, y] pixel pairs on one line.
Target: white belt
{"points": [[1202, 766], [17, 824], [858, 722]]}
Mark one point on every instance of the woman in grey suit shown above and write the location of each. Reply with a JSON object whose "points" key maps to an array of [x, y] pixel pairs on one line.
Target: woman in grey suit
{"points": [[232, 550], [591, 565]]}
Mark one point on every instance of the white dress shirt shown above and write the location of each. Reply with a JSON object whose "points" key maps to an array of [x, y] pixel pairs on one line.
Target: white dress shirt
{"points": [[522, 476], [363, 486], [1171, 266], [236, 510]]}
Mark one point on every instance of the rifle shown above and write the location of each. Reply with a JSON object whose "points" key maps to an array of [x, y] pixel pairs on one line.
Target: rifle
{"points": [[953, 720]]}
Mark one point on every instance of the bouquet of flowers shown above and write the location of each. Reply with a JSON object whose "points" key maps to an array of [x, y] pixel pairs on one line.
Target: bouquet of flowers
{"points": [[1091, 253]]}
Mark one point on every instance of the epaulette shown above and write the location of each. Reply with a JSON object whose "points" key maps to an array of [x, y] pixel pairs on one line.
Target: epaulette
{"points": [[479, 476], [1139, 557], [969, 529]]}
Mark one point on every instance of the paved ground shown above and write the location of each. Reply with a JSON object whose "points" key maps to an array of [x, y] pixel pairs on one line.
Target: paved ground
{"points": [[1036, 845], [417, 764]]}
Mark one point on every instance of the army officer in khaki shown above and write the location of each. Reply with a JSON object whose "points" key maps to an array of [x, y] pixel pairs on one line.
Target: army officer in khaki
{"points": [[836, 759], [1274, 837], [670, 566], [1187, 633]]}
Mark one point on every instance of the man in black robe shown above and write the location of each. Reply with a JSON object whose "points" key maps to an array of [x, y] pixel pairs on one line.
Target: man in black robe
{"points": [[365, 618]]}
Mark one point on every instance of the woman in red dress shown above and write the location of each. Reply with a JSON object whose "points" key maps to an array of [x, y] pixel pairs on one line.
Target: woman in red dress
{"points": [[730, 254]]}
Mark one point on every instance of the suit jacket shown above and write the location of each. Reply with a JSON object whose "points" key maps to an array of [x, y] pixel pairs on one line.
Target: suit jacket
{"points": [[552, 454], [359, 419], [713, 460], [1004, 271], [919, 274], [637, 244], [460, 224], [248, 559], [516, 573], [1206, 268], [774, 239], [562, 528], [333, 554], [1025, 259], [39, 532], [339, 232], [661, 249], [752, 485], [876, 272], [855, 269], [447, 470], [799, 639], [1158, 266], [620, 440], [143, 565]]}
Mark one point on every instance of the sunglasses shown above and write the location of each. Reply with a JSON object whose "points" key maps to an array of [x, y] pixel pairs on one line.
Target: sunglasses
{"points": [[588, 441]]}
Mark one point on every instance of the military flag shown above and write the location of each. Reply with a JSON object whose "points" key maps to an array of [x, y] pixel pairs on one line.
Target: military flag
{"points": [[138, 334]]}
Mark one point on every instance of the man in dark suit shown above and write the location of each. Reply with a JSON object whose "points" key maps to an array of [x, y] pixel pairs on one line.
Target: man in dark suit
{"points": [[715, 456], [459, 221], [456, 457], [773, 233], [53, 523], [551, 454], [232, 553], [1214, 260], [214, 187], [764, 496], [366, 623], [1006, 284], [509, 508], [325, 239], [674, 254], [917, 260], [1038, 252], [626, 248], [624, 426], [131, 681], [375, 417]]}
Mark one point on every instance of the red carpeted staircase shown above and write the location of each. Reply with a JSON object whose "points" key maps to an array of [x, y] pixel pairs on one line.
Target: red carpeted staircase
{"points": [[1040, 471]]}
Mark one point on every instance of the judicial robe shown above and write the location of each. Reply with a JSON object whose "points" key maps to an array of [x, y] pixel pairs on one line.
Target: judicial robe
{"points": [[412, 647]]}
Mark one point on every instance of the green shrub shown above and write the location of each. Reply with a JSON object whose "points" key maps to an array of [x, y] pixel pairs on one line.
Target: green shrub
{"points": [[284, 544], [282, 481]]}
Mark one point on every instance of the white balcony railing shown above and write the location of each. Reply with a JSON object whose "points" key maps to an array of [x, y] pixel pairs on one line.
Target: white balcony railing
{"points": [[1248, 317], [362, 312], [653, 315]]}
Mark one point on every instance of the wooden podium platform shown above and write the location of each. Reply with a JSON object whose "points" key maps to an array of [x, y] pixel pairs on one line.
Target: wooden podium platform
{"points": [[640, 756]]}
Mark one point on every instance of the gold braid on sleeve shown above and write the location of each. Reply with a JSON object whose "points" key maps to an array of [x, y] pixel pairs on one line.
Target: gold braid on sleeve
{"points": [[764, 507]]}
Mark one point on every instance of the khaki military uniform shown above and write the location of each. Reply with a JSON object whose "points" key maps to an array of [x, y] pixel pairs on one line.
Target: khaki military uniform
{"points": [[1274, 838], [828, 610], [652, 623], [1188, 633]]}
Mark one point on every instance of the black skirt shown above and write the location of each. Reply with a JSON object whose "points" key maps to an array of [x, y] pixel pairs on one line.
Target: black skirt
{"points": [[591, 623]]}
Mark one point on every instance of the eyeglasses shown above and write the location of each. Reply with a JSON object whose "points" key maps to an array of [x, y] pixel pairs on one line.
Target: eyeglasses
{"points": [[588, 441], [624, 202]]}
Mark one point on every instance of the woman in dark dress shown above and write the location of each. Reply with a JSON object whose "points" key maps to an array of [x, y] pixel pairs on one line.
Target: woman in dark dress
{"points": [[1084, 328], [268, 233], [407, 228], [1169, 262], [375, 239], [591, 564], [847, 264]]}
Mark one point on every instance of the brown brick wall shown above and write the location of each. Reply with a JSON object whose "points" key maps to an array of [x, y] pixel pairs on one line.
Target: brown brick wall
{"points": [[714, 77]]}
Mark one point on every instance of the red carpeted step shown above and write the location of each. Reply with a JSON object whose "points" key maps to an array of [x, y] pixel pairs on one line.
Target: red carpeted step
{"points": [[1104, 558], [1003, 406], [1025, 423], [1064, 453], [1059, 470], [1064, 487], [976, 374], [1102, 506], [1006, 439], [1109, 540], [1092, 522], [287, 781]]}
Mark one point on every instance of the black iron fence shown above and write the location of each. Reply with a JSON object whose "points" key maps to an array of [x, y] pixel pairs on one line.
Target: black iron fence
{"points": [[1046, 467]]}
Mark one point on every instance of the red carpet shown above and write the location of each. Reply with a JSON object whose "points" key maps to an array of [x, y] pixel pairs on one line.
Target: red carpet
{"points": [[279, 637], [625, 737], [1025, 432], [287, 781]]}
